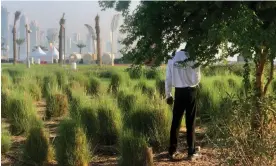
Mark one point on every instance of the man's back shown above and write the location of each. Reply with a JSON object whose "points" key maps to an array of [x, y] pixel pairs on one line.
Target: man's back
{"points": [[183, 75]]}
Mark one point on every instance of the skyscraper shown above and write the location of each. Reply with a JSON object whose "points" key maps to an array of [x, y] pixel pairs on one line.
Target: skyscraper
{"points": [[5, 26], [42, 38], [34, 35], [68, 45], [76, 37], [52, 36], [22, 30]]}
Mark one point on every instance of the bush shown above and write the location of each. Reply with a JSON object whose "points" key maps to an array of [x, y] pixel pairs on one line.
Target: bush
{"points": [[5, 141], [22, 113], [153, 121], [37, 148], [116, 81], [94, 86], [109, 122], [72, 148], [57, 105], [160, 86], [5, 99], [35, 91], [132, 149], [152, 73], [145, 89], [232, 83], [89, 121], [105, 74], [78, 101], [49, 84], [135, 72], [126, 101], [62, 79]]}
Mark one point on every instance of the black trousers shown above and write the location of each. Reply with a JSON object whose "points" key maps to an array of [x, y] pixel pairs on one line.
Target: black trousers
{"points": [[185, 100]]}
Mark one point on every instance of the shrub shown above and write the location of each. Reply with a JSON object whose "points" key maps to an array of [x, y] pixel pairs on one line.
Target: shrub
{"points": [[126, 101], [62, 79], [160, 86], [21, 114], [132, 149], [35, 91], [232, 83], [116, 81], [219, 85], [153, 121], [72, 148], [37, 148], [49, 85], [135, 72], [147, 90], [78, 101], [5, 141], [5, 99], [94, 86], [90, 123], [109, 122], [105, 74], [57, 105], [152, 73]]}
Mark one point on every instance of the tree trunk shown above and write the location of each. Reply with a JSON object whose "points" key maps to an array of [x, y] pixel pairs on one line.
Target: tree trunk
{"points": [[14, 45], [99, 58], [148, 157], [60, 46], [80, 50], [257, 117]]}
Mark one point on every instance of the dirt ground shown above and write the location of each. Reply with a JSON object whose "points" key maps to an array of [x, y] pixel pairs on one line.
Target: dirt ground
{"points": [[208, 154]]}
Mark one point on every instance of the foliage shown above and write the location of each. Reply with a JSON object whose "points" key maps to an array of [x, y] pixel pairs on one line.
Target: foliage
{"points": [[94, 86], [152, 73], [50, 83], [57, 105], [5, 141], [132, 149], [21, 114], [135, 72], [115, 83], [37, 148], [71, 146], [20, 41], [160, 86]]}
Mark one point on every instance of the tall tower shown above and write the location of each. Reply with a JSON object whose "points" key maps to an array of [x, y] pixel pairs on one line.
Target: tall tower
{"points": [[68, 45], [22, 31], [5, 27], [34, 35]]}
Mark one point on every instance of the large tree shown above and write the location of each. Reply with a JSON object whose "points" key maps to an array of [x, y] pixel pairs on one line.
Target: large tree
{"points": [[19, 42], [248, 28], [16, 18]]}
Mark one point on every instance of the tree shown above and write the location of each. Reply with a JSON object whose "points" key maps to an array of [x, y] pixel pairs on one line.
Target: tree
{"points": [[245, 28], [19, 42], [80, 46], [16, 18], [61, 35], [99, 57]]}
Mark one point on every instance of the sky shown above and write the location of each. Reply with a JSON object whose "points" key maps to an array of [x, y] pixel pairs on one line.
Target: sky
{"points": [[77, 13]]}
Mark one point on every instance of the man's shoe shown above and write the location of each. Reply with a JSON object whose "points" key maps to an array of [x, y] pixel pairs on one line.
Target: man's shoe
{"points": [[176, 156], [195, 155]]}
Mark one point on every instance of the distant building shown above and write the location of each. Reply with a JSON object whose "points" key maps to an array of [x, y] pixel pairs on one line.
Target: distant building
{"points": [[52, 36], [76, 37], [68, 45], [34, 35]]}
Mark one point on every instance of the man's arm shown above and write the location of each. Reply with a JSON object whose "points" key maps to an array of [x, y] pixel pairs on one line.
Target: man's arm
{"points": [[168, 82]]}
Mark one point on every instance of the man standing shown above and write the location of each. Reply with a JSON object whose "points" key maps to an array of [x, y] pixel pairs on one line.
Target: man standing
{"points": [[185, 78]]}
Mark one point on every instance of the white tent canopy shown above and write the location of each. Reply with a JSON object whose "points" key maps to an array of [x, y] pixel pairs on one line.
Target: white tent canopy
{"points": [[53, 53], [40, 54]]}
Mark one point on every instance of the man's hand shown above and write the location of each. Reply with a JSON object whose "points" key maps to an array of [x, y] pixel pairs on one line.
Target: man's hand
{"points": [[169, 100]]}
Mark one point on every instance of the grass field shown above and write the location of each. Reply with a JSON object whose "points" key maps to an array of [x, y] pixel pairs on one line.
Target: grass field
{"points": [[107, 115]]}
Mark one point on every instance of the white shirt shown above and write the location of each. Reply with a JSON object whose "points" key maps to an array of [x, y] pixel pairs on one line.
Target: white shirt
{"points": [[180, 76]]}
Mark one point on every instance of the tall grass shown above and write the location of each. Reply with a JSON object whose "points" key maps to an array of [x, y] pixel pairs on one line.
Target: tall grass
{"points": [[115, 83], [5, 99], [109, 120], [94, 86], [72, 148], [132, 149], [62, 79], [57, 104], [5, 140], [21, 114], [50, 83], [37, 148]]}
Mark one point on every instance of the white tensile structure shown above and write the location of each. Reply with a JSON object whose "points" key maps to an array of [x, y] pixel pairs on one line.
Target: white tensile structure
{"points": [[75, 57], [89, 58], [107, 59], [53, 53], [40, 54]]}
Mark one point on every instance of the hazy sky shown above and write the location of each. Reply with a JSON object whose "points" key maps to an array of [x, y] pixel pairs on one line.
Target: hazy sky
{"points": [[77, 13]]}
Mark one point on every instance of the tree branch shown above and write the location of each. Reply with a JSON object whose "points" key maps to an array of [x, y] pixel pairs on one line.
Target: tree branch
{"points": [[270, 76]]}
